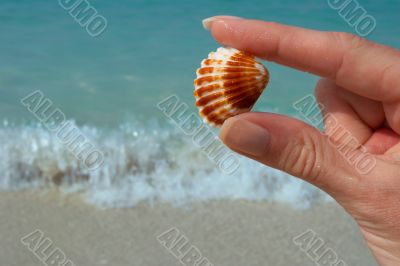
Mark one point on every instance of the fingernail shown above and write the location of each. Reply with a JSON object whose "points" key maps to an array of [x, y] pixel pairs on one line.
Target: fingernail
{"points": [[246, 137], [208, 21]]}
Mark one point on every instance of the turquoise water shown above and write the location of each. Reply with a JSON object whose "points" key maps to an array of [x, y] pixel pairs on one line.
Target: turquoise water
{"points": [[110, 86]]}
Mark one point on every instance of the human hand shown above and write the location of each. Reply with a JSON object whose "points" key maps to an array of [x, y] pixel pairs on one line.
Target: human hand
{"points": [[360, 89]]}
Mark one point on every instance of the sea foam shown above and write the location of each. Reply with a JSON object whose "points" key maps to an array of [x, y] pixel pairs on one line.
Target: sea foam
{"points": [[141, 163]]}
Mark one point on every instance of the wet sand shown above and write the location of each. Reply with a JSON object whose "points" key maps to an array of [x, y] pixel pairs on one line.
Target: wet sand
{"points": [[225, 232]]}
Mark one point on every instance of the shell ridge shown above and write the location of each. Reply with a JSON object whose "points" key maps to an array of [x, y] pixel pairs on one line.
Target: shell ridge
{"points": [[228, 83]]}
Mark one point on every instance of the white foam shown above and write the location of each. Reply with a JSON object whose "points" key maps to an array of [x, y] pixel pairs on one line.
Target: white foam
{"points": [[141, 164]]}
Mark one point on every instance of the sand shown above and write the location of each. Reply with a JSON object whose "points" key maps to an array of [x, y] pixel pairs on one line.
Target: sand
{"points": [[226, 232]]}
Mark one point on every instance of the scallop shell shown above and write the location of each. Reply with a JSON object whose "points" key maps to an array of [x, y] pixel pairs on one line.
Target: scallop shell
{"points": [[228, 83]]}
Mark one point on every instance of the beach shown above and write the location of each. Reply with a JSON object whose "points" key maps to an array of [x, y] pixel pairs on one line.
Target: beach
{"points": [[152, 177], [227, 232]]}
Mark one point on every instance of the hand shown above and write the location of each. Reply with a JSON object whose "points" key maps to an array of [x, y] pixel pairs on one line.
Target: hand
{"points": [[360, 90]]}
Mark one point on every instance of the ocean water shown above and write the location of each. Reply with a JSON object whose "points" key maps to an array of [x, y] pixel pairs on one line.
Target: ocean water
{"points": [[109, 87]]}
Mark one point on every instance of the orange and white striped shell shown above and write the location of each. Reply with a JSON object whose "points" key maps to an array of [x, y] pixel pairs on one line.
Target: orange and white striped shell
{"points": [[228, 83]]}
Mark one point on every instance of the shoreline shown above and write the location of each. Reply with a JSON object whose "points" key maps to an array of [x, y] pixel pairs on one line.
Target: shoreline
{"points": [[236, 232]]}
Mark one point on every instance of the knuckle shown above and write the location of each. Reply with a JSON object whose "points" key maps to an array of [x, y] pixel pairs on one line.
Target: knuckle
{"points": [[324, 89], [348, 39], [302, 157], [350, 44]]}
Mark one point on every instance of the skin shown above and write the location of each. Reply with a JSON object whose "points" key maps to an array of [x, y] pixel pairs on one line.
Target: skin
{"points": [[360, 88]]}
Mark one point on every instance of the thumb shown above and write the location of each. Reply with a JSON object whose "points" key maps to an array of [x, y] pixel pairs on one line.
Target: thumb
{"points": [[289, 145]]}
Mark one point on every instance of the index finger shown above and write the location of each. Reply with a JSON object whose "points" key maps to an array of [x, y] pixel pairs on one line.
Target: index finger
{"points": [[365, 68]]}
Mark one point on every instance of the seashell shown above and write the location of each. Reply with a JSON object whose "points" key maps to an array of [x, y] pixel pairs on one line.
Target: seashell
{"points": [[228, 83]]}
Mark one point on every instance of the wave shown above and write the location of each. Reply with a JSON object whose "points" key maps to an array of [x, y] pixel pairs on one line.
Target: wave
{"points": [[150, 163]]}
